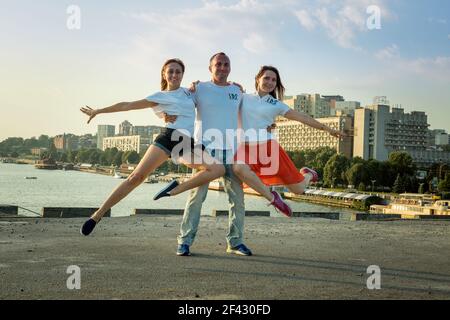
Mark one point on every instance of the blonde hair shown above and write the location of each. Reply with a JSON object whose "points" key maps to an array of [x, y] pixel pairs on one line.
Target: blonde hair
{"points": [[164, 81]]}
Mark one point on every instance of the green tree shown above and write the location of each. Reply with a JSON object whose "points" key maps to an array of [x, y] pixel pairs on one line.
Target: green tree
{"points": [[444, 185], [321, 158], [117, 161], [355, 174], [399, 185], [44, 141], [361, 187], [133, 157], [402, 163], [94, 156], [334, 171], [62, 157]]}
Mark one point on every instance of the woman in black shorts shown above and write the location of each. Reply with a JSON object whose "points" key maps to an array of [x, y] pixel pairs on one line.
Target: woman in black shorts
{"points": [[174, 142]]}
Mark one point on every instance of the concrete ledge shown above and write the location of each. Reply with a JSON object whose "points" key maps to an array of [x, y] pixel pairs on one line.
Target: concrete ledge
{"points": [[323, 215], [10, 210], [426, 217], [375, 217], [221, 213], [177, 212], [56, 212]]}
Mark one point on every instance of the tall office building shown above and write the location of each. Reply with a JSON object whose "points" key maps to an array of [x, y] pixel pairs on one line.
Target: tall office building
{"points": [[104, 131], [125, 128], [378, 131]]}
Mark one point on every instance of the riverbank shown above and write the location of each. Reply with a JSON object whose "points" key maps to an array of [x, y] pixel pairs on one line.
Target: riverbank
{"points": [[134, 258]]}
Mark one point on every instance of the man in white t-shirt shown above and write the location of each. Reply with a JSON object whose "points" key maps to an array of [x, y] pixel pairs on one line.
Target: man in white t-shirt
{"points": [[217, 108]]}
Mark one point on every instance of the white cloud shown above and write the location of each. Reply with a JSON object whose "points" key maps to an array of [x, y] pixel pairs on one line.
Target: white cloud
{"points": [[306, 20], [243, 27], [437, 20], [255, 43], [433, 68], [388, 53], [341, 20]]}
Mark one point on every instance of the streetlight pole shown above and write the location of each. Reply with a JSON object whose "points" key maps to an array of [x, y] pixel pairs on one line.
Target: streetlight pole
{"points": [[373, 185]]}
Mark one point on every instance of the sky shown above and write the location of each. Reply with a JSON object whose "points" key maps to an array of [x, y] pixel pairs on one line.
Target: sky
{"points": [[58, 56]]}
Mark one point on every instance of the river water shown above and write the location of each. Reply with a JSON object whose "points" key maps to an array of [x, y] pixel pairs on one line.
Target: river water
{"points": [[57, 188]]}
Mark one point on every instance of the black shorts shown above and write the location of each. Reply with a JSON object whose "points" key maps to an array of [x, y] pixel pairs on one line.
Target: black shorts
{"points": [[181, 143]]}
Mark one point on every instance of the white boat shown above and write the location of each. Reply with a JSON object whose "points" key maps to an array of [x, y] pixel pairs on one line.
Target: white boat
{"points": [[118, 176], [414, 205]]}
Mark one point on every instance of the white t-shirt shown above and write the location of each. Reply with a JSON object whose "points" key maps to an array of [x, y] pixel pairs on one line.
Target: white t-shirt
{"points": [[257, 113], [175, 103], [217, 115]]}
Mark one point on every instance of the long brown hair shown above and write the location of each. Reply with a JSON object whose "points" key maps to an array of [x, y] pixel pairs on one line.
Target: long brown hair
{"points": [[278, 92], [164, 81]]}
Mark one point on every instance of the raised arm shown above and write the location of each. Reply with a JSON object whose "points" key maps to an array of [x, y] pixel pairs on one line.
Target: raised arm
{"points": [[310, 121], [118, 107]]}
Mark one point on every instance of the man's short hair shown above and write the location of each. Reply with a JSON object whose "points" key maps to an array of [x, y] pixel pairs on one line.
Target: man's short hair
{"points": [[217, 54]]}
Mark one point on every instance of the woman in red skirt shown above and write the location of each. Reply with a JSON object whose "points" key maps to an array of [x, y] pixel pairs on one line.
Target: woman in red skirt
{"points": [[260, 162]]}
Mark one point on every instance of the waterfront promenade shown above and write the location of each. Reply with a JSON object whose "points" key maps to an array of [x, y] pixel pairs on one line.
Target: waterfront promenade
{"points": [[299, 258]]}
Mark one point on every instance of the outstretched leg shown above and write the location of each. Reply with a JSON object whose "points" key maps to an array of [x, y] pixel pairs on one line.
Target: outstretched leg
{"points": [[244, 173], [299, 188], [207, 170], [153, 158]]}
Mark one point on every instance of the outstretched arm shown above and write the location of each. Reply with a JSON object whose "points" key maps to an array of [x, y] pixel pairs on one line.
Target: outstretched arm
{"points": [[310, 121], [118, 107]]}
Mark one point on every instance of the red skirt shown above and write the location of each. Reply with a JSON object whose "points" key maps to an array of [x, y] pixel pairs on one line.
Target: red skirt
{"points": [[270, 163]]}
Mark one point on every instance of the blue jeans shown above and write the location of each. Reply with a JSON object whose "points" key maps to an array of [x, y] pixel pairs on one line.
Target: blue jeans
{"points": [[233, 187]]}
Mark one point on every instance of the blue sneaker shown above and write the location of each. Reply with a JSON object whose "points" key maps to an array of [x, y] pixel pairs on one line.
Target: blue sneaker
{"points": [[165, 192], [183, 250], [240, 250]]}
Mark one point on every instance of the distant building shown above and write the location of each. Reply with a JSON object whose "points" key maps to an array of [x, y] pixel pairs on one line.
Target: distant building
{"points": [[437, 138], [61, 142], [104, 131], [378, 132], [295, 136], [125, 128], [145, 131], [311, 104], [441, 138], [127, 143], [38, 151], [332, 101], [347, 107]]}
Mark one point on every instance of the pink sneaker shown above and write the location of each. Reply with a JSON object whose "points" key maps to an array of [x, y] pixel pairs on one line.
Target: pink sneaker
{"points": [[280, 205], [315, 176]]}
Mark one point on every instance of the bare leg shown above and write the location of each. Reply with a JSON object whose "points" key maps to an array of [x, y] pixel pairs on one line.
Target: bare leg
{"points": [[244, 173], [299, 188], [208, 170], [153, 158]]}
